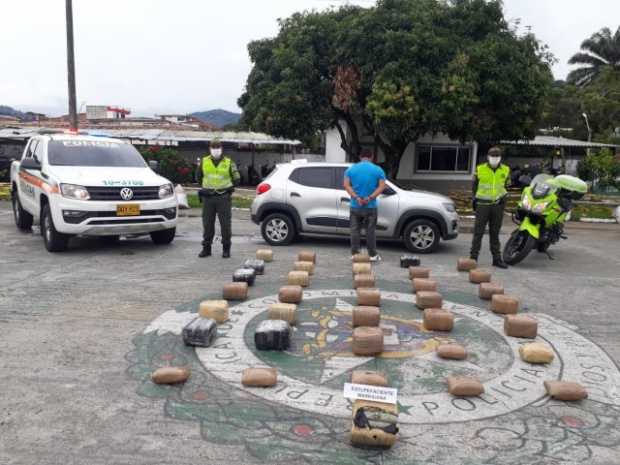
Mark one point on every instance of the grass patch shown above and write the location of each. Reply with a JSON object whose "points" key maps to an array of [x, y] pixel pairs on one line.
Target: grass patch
{"points": [[592, 211], [238, 201]]}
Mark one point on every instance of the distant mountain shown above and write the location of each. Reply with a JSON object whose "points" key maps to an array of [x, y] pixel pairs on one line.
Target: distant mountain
{"points": [[219, 118], [9, 111]]}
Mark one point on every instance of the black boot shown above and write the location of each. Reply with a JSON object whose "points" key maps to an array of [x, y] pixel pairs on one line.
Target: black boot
{"points": [[499, 263], [226, 251], [205, 252]]}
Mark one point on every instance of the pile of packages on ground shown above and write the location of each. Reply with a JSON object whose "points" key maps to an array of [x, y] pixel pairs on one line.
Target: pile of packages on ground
{"points": [[373, 423]]}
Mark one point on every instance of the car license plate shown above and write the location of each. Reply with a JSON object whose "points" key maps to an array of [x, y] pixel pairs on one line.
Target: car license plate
{"points": [[128, 209]]}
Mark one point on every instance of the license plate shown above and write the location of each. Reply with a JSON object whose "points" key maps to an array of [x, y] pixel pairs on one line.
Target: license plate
{"points": [[129, 209]]}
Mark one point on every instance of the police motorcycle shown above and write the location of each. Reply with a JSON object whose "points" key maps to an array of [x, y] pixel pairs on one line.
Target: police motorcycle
{"points": [[544, 207]]}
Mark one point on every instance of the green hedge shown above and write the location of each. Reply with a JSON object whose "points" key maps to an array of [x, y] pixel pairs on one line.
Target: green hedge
{"points": [[172, 165], [238, 201]]}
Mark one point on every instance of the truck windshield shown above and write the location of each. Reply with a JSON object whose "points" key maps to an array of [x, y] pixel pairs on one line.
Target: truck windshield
{"points": [[93, 153]]}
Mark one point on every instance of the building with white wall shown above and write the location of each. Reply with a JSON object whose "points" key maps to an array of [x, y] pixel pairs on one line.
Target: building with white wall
{"points": [[431, 162]]}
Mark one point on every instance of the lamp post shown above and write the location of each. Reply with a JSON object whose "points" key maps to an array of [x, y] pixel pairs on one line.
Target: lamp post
{"points": [[585, 117], [73, 117]]}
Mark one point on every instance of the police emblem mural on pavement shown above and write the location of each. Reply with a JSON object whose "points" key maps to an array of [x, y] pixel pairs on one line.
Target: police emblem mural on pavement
{"points": [[306, 417]]}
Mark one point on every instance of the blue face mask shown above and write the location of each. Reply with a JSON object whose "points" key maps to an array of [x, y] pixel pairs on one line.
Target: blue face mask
{"points": [[217, 153]]}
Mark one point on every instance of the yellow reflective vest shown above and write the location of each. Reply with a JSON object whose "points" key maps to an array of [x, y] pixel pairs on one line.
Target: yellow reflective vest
{"points": [[217, 178], [491, 182]]}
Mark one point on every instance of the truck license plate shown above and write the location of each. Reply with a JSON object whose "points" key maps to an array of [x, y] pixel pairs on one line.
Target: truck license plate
{"points": [[129, 209]]}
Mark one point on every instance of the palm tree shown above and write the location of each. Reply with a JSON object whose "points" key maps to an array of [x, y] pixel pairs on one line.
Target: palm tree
{"points": [[600, 50]]}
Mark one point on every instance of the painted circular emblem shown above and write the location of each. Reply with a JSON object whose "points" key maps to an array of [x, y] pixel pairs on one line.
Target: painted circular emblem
{"points": [[308, 402]]}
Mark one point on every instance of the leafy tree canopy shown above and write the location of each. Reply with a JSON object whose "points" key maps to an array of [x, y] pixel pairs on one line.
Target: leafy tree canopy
{"points": [[600, 100], [601, 50], [397, 71]]}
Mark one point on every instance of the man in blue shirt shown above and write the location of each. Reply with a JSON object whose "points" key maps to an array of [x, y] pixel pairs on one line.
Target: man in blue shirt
{"points": [[364, 182]]}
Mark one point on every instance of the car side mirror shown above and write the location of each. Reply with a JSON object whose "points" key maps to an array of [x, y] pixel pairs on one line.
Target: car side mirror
{"points": [[154, 165], [388, 191], [30, 164]]}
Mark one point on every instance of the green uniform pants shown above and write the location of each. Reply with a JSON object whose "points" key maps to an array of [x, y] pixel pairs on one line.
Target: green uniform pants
{"points": [[493, 215], [220, 205]]}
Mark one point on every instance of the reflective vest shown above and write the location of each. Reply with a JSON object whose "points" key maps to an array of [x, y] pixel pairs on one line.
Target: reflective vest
{"points": [[491, 183], [218, 177]]}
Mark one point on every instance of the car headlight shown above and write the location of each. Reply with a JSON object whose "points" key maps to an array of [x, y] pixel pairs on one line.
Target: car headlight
{"points": [[166, 191], [73, 191], [449, 206]]}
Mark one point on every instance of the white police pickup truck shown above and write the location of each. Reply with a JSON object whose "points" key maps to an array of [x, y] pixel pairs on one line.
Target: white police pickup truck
{"points": [[91, 186]]}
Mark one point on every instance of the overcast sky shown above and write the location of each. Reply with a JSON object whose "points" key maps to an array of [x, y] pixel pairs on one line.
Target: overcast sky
{"points": [[180, 56]]}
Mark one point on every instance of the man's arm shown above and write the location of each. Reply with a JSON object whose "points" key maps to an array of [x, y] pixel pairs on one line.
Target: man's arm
{"points": [[234, 174], [199, 173], [474, 189], [378, 191], [347, 187]]}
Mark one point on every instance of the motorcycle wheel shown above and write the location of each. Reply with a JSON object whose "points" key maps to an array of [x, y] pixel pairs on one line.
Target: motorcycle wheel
{"points": [[518, 247]]}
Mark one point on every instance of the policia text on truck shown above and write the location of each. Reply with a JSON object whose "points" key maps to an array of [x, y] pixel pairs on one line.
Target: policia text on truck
{"points": [[218, 176]]}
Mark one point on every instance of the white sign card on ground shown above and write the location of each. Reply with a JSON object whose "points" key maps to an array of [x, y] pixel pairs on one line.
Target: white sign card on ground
{"points": [[373, 393]]}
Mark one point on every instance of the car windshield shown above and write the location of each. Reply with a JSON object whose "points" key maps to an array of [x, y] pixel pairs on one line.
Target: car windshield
{"points": [[94, 153]]}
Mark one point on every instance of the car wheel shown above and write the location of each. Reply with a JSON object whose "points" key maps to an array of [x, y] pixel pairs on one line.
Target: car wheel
{"points": [[53, 240], [164, 237], [421, 236], [278, 229], [23, 219]]}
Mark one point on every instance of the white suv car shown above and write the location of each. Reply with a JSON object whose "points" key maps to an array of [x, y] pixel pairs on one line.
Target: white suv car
{"points": [[91, 186], [308, 198]]}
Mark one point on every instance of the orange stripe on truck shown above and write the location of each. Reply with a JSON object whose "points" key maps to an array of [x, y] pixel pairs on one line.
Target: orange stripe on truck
{"points": [[38, 182]]}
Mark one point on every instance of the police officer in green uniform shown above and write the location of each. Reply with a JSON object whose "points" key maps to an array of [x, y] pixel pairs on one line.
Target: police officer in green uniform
{"points": [[218, 175], [489, 190]]}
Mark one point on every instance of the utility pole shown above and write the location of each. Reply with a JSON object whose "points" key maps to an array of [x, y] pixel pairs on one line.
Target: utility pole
{"points": [[73, 117], [585, 116]]}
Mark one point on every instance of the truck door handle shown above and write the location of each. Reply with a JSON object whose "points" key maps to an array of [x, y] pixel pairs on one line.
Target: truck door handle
{"points": [[345, 199], [295, 194]]}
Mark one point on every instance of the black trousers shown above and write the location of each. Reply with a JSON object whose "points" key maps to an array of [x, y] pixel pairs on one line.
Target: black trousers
{"points": [[360, 218], [493, 215], [220, 206]]}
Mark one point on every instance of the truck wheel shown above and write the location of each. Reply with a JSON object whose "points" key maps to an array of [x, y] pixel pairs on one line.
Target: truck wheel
{"points": [[163, 237], [53, 240], [23, 219], [278, 229], [421, 236]]}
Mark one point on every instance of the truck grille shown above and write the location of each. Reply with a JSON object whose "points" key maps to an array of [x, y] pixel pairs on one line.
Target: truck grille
{"points": [[114, 193]]}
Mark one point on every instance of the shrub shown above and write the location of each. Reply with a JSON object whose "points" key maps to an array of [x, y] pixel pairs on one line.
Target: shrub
{"points": [[171, 164]]}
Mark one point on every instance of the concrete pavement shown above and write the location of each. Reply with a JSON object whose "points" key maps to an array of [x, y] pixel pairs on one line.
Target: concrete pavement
{"points": [[75, 357]]}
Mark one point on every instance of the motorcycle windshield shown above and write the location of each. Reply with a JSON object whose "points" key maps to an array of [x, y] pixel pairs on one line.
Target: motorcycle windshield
{"points": [[542, 185], [571, 183]]}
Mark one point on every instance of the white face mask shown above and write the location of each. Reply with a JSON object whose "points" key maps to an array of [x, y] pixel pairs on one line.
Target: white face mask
{"points": [[217, 153], [495, 161]]}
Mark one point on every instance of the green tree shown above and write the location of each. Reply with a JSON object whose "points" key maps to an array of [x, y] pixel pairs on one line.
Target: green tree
{"points": [[602, 168], [172, 165], [599, 51], [397, 71]]}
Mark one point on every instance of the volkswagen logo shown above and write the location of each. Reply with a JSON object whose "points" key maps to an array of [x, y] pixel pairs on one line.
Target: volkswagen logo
{"points": [[126, 193]]}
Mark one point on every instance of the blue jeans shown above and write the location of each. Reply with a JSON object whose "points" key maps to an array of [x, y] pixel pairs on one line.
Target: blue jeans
{"points": [[363, 217]]}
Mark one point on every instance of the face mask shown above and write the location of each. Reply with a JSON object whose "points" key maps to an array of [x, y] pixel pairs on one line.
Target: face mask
{"points": [[495, 161], [217, 153]]}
